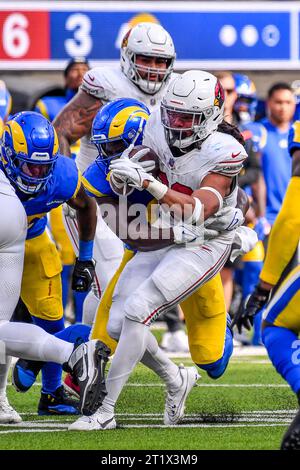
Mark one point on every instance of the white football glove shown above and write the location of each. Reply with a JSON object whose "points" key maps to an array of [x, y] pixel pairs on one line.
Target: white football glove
{"points": [[188, 233], [133, 173], [225, 220], [244, 241]]}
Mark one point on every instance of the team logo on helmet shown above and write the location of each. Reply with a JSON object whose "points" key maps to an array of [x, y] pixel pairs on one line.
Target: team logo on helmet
{"points": [[219, 95], [125, 39]]}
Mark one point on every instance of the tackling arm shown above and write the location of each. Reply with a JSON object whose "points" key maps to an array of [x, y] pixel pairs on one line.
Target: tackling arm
{"points": [[84, 269], [147, 238], [75, 120], [85, 207]]}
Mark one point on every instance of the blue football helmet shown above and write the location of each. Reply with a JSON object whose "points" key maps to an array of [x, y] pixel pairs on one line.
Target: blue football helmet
{"points": [[29, 150], [117, 125], [246, 103]]}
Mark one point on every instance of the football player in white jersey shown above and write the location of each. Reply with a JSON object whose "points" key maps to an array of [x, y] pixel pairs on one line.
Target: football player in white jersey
{"points": [[198, 176], [26, 340], [146, 68]]}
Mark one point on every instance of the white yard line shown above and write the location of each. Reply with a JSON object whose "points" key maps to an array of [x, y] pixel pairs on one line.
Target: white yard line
{"points": [[134, 384], [157, 426]]}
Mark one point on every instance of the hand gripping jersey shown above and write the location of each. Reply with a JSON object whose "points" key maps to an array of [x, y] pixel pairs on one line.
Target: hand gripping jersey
{"points": [[107, 84], [219, 153], [62, 186]]}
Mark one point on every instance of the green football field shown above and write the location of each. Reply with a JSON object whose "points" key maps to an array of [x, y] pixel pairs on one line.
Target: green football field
{"points": [[248, 408]]}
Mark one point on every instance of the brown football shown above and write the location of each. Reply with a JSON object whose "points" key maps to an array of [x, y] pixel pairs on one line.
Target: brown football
{"points": [[151, 155]]}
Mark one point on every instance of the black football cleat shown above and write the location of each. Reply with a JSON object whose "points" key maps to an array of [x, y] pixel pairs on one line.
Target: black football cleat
{"points": [[291, 439], [87, 364], [57, 403]]}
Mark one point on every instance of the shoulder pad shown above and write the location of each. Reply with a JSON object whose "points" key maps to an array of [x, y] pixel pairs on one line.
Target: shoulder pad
{"points": [[227, 153], [101, 82]]}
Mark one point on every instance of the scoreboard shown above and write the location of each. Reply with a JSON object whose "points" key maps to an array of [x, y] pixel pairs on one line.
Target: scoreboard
{"points": [[244, 35]]}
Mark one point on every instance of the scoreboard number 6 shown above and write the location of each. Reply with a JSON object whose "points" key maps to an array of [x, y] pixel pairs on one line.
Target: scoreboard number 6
{"points": [[15, 38], [81, 44]]}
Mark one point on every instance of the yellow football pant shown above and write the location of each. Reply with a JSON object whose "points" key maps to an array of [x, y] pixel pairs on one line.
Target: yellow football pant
{"points": [[41, 289], [284, 308], [60, 236], [204, 311]]}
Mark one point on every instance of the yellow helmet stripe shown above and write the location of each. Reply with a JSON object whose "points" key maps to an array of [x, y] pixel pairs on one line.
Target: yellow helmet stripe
{"points": [[18, 137], [56, 143], [119, 122]]}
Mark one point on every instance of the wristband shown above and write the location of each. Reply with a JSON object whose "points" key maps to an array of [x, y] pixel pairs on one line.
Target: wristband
{"points": [[157, 189], [85, 250]]}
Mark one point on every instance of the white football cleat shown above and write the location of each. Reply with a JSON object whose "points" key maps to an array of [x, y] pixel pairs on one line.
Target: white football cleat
{"points": [[175, 342], [7, 414], [175, 400], [99, 421]]}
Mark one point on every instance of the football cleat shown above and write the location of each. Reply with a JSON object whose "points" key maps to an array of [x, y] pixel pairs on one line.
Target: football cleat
{"points": [[99, 421], [175, 400], [71, 387], [291, 439], [24, 374], [7, 414], [87, 364], [57, 403], [175, 342]]}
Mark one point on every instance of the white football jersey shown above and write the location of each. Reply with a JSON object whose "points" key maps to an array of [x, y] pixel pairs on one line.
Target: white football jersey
{"points": [[219, 153], [5, 186], [108, 84]]}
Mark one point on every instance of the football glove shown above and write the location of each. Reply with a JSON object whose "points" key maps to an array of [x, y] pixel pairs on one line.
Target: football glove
{"points": [[255, 302], [132, 170], [83, 275], [188, 233], [225, 220]]}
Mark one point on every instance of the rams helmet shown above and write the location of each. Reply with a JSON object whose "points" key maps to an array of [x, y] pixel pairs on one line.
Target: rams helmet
{"points": [[117, 125], [29, 150]]}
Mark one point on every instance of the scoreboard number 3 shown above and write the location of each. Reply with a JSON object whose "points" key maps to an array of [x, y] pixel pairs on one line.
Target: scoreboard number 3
{"points": [[81, 44]]}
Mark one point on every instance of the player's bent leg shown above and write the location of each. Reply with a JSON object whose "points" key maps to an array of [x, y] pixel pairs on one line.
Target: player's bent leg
{"points": [[281, 327], [12, 238], [7, 413], [217, 368]]}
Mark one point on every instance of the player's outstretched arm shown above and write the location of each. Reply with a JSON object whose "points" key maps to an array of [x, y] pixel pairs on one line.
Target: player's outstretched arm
{"points": [[84, 269], [146, 238], [75, 120]]}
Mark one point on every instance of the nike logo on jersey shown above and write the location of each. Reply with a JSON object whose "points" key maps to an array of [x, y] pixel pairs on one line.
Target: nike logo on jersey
{"points": [[234, 155], [91, 78]]}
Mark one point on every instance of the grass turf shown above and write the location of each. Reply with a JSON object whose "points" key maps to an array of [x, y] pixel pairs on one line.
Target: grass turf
{"points": [[220, 417]]}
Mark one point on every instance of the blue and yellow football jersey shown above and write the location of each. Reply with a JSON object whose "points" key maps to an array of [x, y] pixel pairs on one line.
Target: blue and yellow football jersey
{"points": [[62, 186]]}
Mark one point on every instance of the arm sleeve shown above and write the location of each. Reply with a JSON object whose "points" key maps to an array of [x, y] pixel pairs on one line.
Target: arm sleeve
{"points": [[284, 235]]}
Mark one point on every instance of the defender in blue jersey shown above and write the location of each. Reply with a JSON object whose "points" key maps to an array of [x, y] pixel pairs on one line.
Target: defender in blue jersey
{"points": [[43, 179], [50, 106]]}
